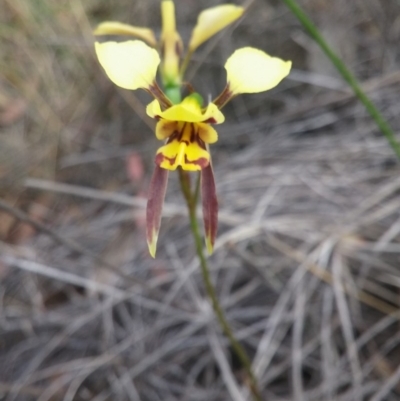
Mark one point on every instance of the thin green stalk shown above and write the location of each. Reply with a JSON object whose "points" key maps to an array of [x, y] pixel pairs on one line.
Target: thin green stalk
{"points": [[174, 94], [346, 74], [191, 200]]}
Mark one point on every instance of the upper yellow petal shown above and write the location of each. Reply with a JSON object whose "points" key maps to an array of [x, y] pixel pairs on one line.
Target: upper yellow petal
{"points": [[188, 110], [119, 28], [251, 70], [130, 65], [168, 16], [213, 20], [171, 44]]}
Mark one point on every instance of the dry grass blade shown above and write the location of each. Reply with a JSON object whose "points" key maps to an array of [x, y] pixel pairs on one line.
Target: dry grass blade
{"points": [[229, 380], [346, 324]]}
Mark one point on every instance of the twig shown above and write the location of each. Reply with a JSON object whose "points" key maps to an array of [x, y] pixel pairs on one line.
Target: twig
{"points": [[70, 244], [326, 276]]}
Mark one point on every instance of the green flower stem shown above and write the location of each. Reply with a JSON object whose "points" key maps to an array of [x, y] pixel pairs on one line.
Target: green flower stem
{"points": [[346, 74], [173, 94], [191, 200]]}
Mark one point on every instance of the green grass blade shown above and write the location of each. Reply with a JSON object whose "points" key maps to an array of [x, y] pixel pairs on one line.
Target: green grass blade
{"points": [[346, 74]]}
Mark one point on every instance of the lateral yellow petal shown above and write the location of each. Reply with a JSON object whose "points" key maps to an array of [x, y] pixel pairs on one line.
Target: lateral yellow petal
{"points": [[130, 65], [211, 21], [213, 114], [119, 28], [250, 70], [207, 133], [153, 109], [165, 128]]}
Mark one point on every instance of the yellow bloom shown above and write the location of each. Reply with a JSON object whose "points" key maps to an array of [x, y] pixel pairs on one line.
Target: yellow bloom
{"points": [[185, 125], [186, 146], [187, 130]]}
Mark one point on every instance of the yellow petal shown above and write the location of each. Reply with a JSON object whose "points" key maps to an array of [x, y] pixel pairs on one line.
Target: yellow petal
{"points": [[165, 128], [130, 65], [251, 70], [152, 244], [190, 156], [168, 16], [207, 133], [211, 21], [188, 110], [213, 114], [184, 149], [171, 155], [153, 109], [119, 28], [196, 158], [171, 44]]}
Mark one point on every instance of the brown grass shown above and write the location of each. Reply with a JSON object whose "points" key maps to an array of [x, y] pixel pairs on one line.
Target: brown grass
{"points": [[307, 256]]}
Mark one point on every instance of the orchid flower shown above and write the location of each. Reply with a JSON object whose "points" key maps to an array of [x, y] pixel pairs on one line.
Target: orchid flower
{"points": [[186, 126]]}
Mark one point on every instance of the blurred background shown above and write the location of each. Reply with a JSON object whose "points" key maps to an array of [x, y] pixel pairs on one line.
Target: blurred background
{"points": [[306, 262]]}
